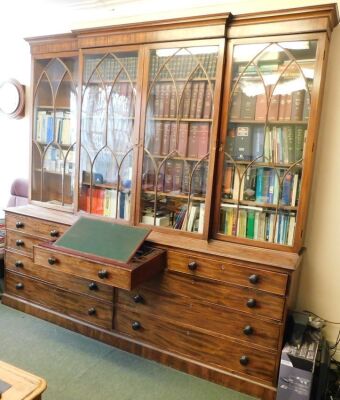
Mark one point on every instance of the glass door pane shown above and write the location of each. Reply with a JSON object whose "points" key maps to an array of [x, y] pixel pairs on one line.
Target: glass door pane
{"points": [[107, 133], [54, 130], [177, 136], [267, 127]]}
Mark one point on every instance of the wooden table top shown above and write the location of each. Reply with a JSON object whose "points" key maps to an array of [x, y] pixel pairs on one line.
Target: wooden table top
{"points": [[25, 386]]}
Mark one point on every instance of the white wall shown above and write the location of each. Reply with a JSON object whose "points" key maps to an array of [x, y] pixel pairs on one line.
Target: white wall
{"points": [[320, 281]]}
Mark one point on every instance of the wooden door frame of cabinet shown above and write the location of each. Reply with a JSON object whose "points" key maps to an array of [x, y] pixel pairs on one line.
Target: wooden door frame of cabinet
{"points": [[313, 124], [49, 56], [140, 50], [214, 133]]}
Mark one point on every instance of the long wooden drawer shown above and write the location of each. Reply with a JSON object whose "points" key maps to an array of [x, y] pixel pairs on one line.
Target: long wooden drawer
{"points": [[222, 353], [21, 243], [74, 305], [201, 315], [109, 274], [243, 299], [22, 264], [227, 271], [34, 226]]}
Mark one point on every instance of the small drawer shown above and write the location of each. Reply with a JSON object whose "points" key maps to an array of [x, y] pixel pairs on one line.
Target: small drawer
{"points": [[80, 307], [21, 243], [201, 315], [24, 265], [250, 301], [207, 349], [123, 276], [33, 226], [227, 271]]}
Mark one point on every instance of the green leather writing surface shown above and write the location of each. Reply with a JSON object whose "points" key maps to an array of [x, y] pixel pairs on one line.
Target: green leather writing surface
{"points": [[103, 239]]}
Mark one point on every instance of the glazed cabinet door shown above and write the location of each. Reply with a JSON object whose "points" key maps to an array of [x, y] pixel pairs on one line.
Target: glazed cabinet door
{"points": [[109, 122], [181, 93], [268, 132], [54, 130]]}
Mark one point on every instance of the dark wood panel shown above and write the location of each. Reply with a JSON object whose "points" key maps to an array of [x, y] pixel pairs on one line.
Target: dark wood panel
{"points": [[233, 297], [205, 316], [222, 353], [80, 307], [126, 276], [24, 265], [21, 243], [236, 382], [227, 271], [37, 227]]}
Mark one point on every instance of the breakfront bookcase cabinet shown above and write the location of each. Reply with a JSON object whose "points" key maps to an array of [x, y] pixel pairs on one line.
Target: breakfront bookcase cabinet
{"points": [[204, 130]]}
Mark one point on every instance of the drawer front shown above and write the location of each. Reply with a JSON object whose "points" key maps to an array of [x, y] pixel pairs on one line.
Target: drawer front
{"points": [[21, 243], [80, 307], [80, 267], [24, 265], [222, 353], [202, 315], [34, 226], [250, 301], [273, 282]]}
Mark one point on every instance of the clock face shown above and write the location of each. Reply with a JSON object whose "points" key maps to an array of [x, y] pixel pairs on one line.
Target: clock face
{"points": [[11, 98]]}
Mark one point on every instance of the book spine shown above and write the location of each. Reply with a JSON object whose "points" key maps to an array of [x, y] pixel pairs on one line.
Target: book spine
{"points": [[261, 107], [168, 176], [274, 105], [248, 107], [200, 99], [299, 142], [297, 105], [177, 176], [193, 141], [194, 98], [203, 139], [183, 139], [208, 101], [157, 144], [166, 138], [235, 107]]}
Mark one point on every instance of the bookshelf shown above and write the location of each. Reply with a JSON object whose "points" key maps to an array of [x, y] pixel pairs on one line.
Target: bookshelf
{"points": [[266, 128], [54, 130]]}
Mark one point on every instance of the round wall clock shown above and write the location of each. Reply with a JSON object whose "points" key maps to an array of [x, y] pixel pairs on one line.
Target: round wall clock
{"points": [[12, 98]]}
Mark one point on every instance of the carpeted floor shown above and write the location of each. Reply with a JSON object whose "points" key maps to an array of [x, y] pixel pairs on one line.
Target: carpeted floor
{"points": [[78, 368]]}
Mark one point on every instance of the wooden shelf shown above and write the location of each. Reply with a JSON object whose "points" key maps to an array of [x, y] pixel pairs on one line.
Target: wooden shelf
{"points": [[39, 107], [106, 186], [177, 196], [263, 164], [251, 121], [181, 158], [260, 205], [180, 119], [63, 146]]}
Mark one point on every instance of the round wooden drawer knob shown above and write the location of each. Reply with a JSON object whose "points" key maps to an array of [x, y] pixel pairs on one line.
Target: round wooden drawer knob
{"points": [[91, 311], [136, 325], [52, 260], [138, 298], [102, 274], [19, 242], [19, 224], [93, 286], [192, 265], [244, 360], [54, 233], [251, 303], [248, 330], [254, 279], [19, 286], [19, 264]]}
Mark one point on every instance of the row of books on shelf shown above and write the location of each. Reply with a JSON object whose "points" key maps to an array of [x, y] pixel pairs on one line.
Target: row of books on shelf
{"points": [[195, 100], [279, 144], [176, 177], [58, 127], [262, 185], [108, 68], [252, 223], [182, 65], [294, 106], [107, 202], [190, 221], [189, 139]]}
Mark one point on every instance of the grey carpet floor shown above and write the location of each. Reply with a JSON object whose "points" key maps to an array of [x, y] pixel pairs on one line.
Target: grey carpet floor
{"points": [[78, 368]]}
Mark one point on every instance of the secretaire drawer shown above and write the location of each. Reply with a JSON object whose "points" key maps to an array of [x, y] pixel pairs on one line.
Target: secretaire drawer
{"points": [[273, 282], [81, 307], [243, 299], [109, 274], [206, 316], [24, 265], [20, 242], [35, 226], [207, 349]]}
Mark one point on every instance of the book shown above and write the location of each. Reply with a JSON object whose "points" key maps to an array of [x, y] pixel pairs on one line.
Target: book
{"points": [[287, 190], [158, 138], [230, 143], [173, 137], [187, 168], [250, 224], [298, 98], [288, 107], [201, 218], [243, 139], [177, 176], [299, 142], [166, 138], [257, 143], [168, 176], [200, 99], [248, 107], [159, 221], [193, 141], [194, 99], [203, 130], [183, 139], [227, 181], [261, 107], [208, 102], [273, 112], [282, 107], [249, 188], [235, 107]]}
